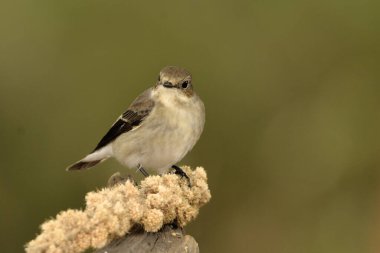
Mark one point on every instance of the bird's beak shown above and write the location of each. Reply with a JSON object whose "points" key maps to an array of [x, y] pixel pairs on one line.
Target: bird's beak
{"points": [[168, 85]]}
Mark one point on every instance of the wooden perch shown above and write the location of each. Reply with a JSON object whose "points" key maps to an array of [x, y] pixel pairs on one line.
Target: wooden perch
{"points": [[168, 240]]}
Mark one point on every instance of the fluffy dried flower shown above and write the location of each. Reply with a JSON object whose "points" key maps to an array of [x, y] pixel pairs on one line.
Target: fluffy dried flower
{"points": [[112, 212]]}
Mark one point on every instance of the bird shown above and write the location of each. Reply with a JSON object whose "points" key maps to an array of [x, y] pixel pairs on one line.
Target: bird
{"points": [[157, 130]]}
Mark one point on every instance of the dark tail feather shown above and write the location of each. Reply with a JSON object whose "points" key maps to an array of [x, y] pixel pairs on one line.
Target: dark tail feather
{"points": [[83, 165]]}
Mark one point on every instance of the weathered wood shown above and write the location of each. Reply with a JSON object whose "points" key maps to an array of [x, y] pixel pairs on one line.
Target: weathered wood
{"points": [[168, 240]]}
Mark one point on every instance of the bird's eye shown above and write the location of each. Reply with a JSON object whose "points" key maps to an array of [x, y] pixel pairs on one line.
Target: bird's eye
{"points": [[185, 84]]}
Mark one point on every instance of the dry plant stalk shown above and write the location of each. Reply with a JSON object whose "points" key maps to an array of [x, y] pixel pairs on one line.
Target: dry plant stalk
{"points": [[112, 212]]}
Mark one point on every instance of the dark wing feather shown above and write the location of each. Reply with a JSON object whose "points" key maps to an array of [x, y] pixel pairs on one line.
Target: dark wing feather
{"points": [[135, 114]]}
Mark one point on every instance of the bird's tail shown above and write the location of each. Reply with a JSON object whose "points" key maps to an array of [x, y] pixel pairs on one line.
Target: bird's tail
{"points": [[92, 159], [81, 165]]}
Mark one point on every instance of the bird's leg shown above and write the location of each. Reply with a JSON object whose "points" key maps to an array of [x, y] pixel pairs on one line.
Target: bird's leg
{"points": [[178, 171], [141, 169]]}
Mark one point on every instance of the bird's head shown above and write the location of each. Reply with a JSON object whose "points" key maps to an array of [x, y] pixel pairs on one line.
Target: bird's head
{"points": [[172, 77]]}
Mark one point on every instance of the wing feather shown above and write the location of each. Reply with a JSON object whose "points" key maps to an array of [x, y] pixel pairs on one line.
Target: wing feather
{"points": [[132, 117]]}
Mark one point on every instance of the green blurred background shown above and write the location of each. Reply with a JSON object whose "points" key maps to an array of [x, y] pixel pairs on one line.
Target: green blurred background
{"points": [[291, 143]]}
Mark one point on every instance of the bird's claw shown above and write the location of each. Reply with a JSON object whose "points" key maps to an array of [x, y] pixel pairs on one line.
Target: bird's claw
{"points": [[178, 171]]}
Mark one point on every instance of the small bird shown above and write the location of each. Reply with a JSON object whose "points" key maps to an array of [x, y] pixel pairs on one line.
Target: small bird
{"points": [[157, 130]]}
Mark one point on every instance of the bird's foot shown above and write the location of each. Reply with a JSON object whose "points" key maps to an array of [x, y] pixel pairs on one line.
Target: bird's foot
{"points": [[178, 171]]}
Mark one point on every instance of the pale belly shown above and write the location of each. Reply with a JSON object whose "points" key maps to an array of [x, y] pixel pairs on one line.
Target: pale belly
{"points": [[162, 140]]}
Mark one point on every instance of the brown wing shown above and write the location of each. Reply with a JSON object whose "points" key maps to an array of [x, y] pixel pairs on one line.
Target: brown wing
{"points": [[135, 114]]}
